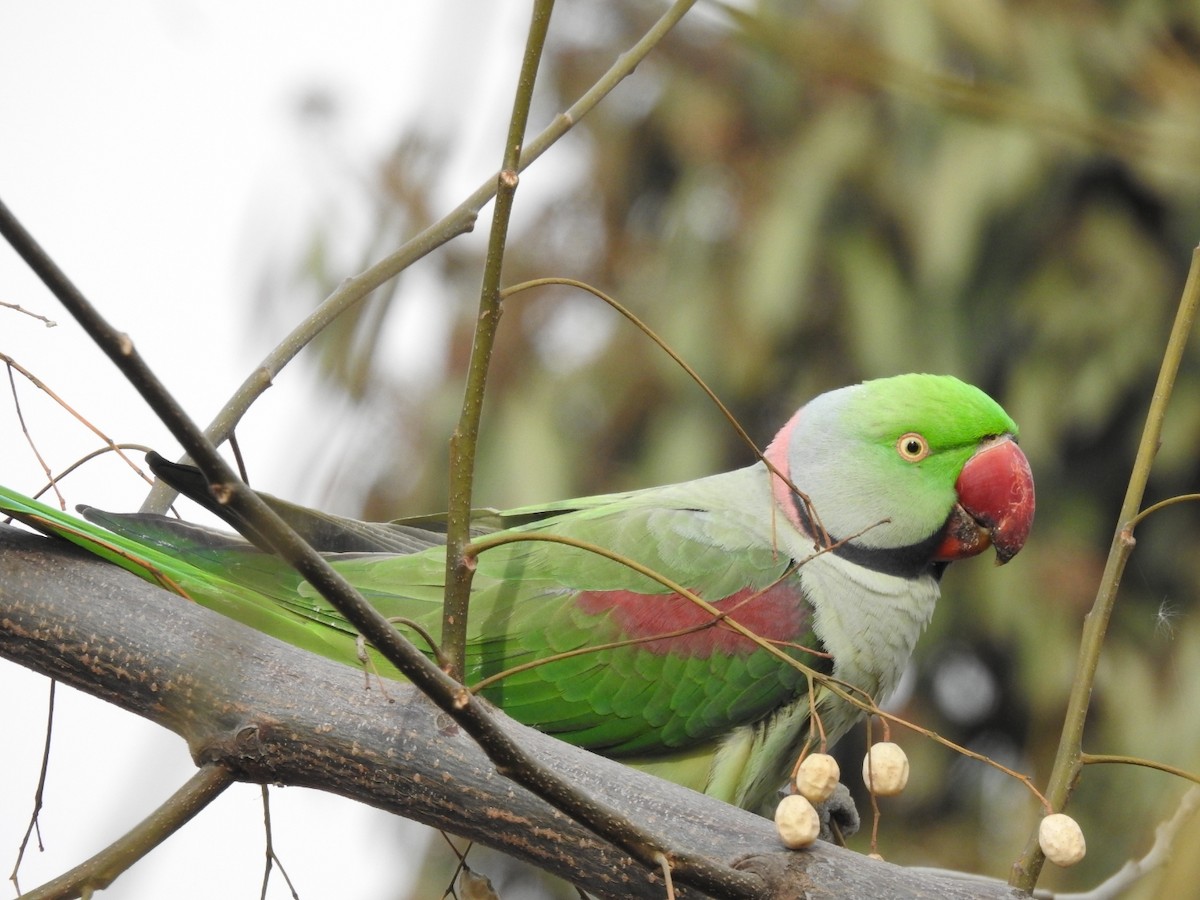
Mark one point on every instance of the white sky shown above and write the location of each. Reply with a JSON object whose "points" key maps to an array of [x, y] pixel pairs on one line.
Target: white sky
{"points": [[145, 144]]}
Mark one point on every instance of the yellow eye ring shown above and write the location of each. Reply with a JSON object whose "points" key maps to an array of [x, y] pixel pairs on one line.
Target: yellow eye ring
{"points": [[912, 447]]}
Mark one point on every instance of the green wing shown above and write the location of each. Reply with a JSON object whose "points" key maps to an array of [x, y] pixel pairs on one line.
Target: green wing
{"points": [[636, 668], [611, 686]]}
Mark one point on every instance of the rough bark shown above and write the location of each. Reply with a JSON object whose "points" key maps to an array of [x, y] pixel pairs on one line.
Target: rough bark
{"points": [[274, 713]]}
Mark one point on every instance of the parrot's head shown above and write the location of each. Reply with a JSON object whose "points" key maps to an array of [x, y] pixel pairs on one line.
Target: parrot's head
{"points": [[918, 468]]}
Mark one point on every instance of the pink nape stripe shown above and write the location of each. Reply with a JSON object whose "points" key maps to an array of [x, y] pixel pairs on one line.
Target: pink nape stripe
{"points": [[777, 455]]}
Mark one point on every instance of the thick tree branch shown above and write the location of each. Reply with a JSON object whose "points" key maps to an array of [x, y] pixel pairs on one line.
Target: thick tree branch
{"points": [[273, 713]]}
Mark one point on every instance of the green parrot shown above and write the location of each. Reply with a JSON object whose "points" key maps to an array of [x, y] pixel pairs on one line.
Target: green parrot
{"points": [[900, 476]]}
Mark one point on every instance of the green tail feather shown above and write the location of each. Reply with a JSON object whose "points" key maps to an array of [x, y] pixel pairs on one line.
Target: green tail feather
{"points": [[195, 571]]}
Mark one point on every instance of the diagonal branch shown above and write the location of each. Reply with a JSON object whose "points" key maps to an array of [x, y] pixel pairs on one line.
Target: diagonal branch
{"points": [[101, 870], [458, 221], [246, 510]]}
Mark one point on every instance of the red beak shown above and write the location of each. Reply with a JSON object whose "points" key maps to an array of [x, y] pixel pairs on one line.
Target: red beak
{"points": [[995, 504]]}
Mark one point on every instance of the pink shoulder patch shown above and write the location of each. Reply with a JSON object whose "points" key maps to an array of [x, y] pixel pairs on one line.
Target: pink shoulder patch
{"points": [[776, 613]]}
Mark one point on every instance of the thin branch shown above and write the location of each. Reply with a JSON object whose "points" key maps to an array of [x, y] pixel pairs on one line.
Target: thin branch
{"points": [[1068, 759], [1160, 505], [1020, 777], [463, 442], [39, 792], [49, 323], [461, 856], [822, 536], [272, 858], [1090, 759], [648, 332], [102, 869], [236, 449], [665, 866], [62, 503], [55, 480], [1118, 884], [458, 221], [42, 386]]}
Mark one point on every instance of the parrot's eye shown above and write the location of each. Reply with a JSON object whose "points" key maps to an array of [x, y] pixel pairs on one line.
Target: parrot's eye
{"points": [[912, 447]]}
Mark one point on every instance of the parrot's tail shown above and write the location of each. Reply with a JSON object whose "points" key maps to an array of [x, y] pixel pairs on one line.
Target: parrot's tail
{"points": [[129, 554], [195, 562]]}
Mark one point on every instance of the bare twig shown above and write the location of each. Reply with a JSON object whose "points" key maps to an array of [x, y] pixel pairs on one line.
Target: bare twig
{"points": [[49, 323], [272, 858], [821, 537], [665, 865], [1160, 505], [1068, 760], [38, 794], [461, 856], [88, 457], [459, 567], [458, 221], [1092, 759], [102, 869], [42, 386], [62, 503]]}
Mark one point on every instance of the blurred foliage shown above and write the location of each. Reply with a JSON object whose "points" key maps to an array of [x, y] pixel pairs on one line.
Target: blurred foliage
{"points": [[813, 193]]}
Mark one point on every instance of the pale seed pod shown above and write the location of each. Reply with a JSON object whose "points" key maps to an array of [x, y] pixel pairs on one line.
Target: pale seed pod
{"points": [[885, 769], [797, 822], [817, 776], [1061, 839]]}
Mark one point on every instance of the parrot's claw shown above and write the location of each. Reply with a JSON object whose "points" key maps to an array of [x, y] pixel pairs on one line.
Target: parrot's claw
{"points": [[839, 816]]}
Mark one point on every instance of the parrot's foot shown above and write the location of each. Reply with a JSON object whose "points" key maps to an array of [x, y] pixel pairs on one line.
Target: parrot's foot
{"points": [[839, 816], [368, 667]]}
